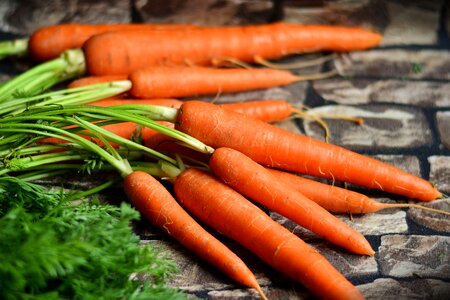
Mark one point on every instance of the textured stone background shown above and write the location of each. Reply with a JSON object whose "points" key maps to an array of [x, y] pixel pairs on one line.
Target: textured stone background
{"points": [[401, 89]]}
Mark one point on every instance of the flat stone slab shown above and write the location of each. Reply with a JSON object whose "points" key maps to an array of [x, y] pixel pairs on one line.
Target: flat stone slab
{"points": [[23, 17], [440, 172], [395, 63], [415, 255], [433, 220], [384, 127], [392, 289], [443, 124], [361, 91]]}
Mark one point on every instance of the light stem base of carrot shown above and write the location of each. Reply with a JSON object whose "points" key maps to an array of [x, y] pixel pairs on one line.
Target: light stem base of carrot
{"points": [[17, 47]]}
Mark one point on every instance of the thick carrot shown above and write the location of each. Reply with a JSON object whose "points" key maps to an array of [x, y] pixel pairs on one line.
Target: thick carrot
{"points": [[257, 183], [340, 200], [153, 200], [49, 42], [124, 51], [281, 149], [230, 213], [158, 82]]}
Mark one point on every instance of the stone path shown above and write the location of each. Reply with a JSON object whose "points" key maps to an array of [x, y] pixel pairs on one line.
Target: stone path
{"points": [[401, 89]]}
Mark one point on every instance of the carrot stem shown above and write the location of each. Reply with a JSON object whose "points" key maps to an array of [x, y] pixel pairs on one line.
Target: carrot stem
{"points": [[69, 65], [17, 47]]}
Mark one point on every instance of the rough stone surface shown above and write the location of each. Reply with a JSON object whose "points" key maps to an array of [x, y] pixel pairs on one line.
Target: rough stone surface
{"points": [[432, 220], [391, 289], [383, 127], [361, 91], [395, 63], [408, 256], [443, 124], [205, 12], [24, 16], [440, 172]]}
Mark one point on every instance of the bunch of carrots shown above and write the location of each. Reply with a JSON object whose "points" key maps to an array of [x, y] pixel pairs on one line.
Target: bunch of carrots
{"points": [[221, 159]]}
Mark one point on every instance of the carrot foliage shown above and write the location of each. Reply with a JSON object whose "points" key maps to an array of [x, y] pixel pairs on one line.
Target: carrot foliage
{"points": [[53, 249]]}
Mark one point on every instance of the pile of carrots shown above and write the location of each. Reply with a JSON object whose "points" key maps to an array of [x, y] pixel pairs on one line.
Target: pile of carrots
{"points": [[253, 161]]}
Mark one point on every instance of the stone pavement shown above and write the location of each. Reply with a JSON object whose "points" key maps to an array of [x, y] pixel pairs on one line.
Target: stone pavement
{"points": [[401, 90]]}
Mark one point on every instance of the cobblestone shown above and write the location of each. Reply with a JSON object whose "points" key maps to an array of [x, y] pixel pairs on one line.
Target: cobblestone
{"points": [[408, 256], [363, 91], [383, 127], [443, 124]]}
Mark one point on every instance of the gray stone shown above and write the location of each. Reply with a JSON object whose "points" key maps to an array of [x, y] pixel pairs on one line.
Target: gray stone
{"points": [[342, 12], [412, 22], [395, 63], [443, 125], [433, 220], [25, 16], [388, 222], [204, 12], [440, 172], [391, 289], [384, 127], [414, 255], [349, 264], [360, 91]]}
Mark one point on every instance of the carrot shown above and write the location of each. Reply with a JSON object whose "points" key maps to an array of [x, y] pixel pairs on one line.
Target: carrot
{"points": [[158, 82], [227, 211], [152, 199], [281, 149], [95, 79], [49, 42], [257, 183], [339, 200], [161, 102], [124, 51]]}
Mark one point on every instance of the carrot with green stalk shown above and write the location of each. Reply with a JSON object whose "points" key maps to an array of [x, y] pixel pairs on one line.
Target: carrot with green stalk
{"points": [[148, 195], [278, 148], [123, 51]]}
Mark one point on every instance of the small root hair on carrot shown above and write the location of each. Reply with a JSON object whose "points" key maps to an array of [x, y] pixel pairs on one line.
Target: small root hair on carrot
{"points": [[294, 65]]}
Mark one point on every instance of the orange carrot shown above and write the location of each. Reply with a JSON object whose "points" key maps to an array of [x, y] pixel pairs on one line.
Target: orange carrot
{"points": [[339, 200], [161, 102], [257, 183], [49, 42], [174, 82], [227, 211], [281, 149], [95, 79], [264, 110], [124, 51], [152, 199]]}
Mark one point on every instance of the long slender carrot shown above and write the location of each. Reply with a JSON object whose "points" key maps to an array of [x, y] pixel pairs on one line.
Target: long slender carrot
{"points": [[153, 200], [49, 42], [123, 51], [161, 102], [340, 200], [281, 149], [257, 183], [227, 211], [88, 80], [158, 82]]}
